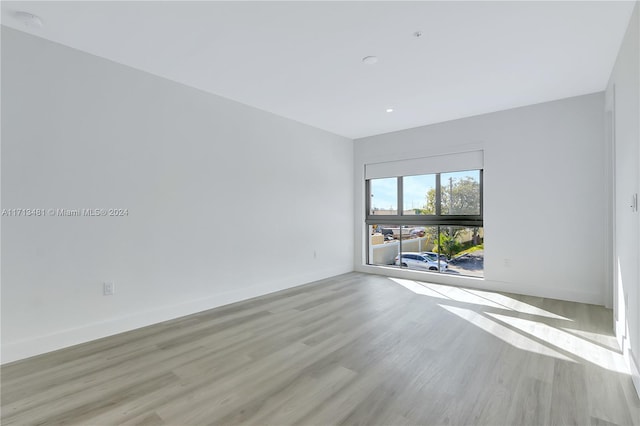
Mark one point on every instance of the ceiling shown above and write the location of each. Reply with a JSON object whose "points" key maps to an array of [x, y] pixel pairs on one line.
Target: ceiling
{"points": [[303, 60]]}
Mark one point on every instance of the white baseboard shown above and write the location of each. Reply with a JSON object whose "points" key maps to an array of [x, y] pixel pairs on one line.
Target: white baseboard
{"points": [[18, 350], [635, 372]]}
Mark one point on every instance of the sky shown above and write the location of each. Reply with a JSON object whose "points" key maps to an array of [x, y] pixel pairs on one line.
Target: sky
{"points": [[415, 188]]}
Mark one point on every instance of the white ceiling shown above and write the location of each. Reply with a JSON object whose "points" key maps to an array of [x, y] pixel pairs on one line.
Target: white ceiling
{"points": [[303, 60]]}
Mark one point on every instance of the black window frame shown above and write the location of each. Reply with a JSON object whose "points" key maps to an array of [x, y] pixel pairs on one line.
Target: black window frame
{"points": [[425, 220], [438, 219]]}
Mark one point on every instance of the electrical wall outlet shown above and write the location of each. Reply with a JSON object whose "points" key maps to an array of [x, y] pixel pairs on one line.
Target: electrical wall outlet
{"points": [[108, 288]]}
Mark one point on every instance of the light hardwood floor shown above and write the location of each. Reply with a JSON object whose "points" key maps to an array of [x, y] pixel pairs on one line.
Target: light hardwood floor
{"points": [[354, 349]]}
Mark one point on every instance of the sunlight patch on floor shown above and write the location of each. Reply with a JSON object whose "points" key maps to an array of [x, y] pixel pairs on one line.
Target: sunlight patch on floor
{"points": [[567, 342], [517, 305], [608, 342], [418, 288], [476, 297], [526, 334], [506, 334], [464, 296]]}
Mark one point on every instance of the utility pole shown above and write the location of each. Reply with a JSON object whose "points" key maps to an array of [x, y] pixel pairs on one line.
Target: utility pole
{"points": [[451, 195]]}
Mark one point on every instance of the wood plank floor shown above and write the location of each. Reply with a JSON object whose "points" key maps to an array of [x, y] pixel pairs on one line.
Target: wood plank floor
{"points": [[354, 349]]}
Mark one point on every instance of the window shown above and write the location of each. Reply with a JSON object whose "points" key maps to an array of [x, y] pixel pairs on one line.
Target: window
{"points": [[460, 193], [413, 195], [429, 222], [384, 196]]}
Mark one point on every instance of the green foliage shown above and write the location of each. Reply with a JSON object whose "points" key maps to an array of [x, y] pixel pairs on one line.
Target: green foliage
{"points": [[431, 233], [430, 206], [447, 243], [471, 249], [459, 197]]}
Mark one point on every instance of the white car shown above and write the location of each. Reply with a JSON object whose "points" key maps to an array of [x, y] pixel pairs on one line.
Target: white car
{"points": [[415, 260], [434, 256]]}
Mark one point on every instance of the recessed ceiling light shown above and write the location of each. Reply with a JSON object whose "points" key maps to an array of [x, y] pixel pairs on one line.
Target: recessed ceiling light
{"points": [[370, 60], [389, 109], [29, 19]]}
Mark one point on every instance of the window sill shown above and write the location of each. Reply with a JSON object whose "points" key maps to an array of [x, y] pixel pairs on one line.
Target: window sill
{"points": [[434, 277]]}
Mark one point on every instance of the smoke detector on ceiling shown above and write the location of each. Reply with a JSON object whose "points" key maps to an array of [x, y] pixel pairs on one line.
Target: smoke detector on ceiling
{"points": [[29, 19]]}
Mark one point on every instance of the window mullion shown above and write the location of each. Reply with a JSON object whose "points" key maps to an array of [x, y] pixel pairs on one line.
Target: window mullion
{"points": [[481, 193], [367, 191], [438, 196], [400, 197]]}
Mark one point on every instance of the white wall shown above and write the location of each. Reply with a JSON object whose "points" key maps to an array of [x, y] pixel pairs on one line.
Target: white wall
{"points": [[625, 107], [225, 201], [543, 181]]}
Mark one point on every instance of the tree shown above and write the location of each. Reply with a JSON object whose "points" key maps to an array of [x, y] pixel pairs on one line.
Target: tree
{"points": [[458, 197], [461, 197], [448, 242]]}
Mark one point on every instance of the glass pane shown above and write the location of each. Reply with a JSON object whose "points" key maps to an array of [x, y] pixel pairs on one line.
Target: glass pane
{"points": [[463, 247], [384, 244], [384, 196], [455, 250], [460, 192], [419, 194], [417, 250]]}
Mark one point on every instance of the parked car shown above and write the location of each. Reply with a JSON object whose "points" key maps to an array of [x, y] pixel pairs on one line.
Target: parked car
{"points": [[444, 262], [387, 233], [443, 258], [418, 232], [416, 260]]}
